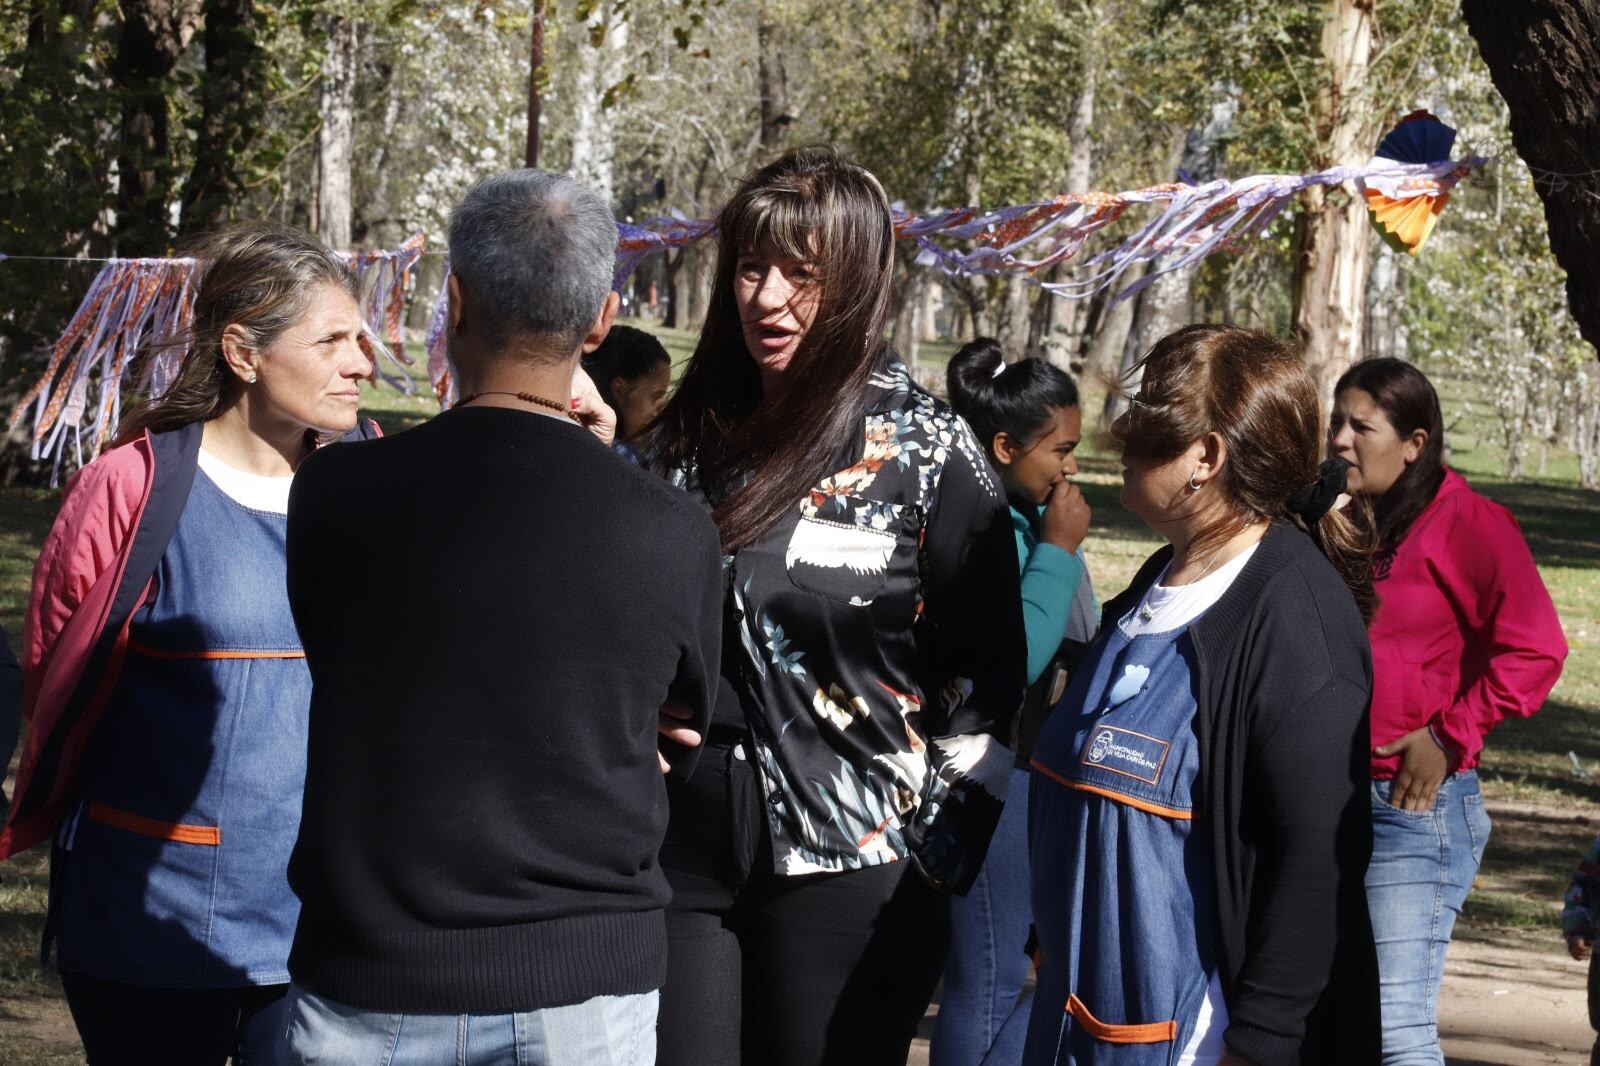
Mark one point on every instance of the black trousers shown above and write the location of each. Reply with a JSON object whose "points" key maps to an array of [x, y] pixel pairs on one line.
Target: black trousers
{"points": [[131, 1025], [768, 970]]}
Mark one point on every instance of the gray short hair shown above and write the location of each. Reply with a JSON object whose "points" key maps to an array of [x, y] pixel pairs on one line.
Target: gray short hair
{"points": [[536, 252]]}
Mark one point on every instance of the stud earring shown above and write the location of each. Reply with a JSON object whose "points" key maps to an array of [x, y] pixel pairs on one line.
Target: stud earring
{"points": [[251, 379]]}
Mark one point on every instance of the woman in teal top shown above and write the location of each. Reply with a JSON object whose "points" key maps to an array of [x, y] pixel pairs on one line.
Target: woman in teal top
{"points": [[1027, 416]]}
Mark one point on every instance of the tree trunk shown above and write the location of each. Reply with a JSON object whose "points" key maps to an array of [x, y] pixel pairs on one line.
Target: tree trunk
{"points": [[905, 333], [776, 119], [154, 35], [1332, 238], [1166, 303], [1014, 316], [1386, 306], [1109, 347], [336, 138], [1042, 324], [230, 102], [1544, 57], [535, 83], [1073, 315], [593, 145], [374, 217]]}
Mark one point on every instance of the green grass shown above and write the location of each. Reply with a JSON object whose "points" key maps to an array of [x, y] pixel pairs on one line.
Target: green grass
{"points": [[1545, 814]]}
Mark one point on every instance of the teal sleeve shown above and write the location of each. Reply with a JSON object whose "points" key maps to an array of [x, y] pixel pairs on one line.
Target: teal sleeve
{"points": [[1049, 579]]}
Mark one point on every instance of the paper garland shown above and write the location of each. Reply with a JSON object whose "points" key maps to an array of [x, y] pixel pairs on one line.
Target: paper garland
{"points": [[137, 301], [147, 305]]}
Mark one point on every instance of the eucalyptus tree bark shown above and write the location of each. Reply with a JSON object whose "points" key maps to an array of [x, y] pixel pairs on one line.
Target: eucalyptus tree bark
{"points": [[1108, 348], [1544, 57], [905, 331], [1332, 235], [593, 144], [154, 34], [535, 90], [1386, 332], [1167, 303], [231, 104], [1071, 317], [334, 193], [776, 118], [1014, 317]]}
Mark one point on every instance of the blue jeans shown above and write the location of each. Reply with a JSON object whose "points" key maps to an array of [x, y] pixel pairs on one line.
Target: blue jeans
{"points": [[604, 1031], [1423, 863], [986, 967]]}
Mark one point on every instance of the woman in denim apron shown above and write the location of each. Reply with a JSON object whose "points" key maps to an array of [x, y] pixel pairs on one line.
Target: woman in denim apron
{"points": [[1197, 818], [170, 905]]}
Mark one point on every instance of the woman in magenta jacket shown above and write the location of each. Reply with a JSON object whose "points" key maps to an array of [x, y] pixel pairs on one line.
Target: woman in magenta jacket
{"points": [[1465, 636]]}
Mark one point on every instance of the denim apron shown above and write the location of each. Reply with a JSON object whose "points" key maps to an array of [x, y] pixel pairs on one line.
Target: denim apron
{"points": [[1122, 886], [177, 874]]}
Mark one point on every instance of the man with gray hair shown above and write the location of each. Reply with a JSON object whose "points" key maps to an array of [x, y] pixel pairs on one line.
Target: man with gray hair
{"points": [[496, 610]]}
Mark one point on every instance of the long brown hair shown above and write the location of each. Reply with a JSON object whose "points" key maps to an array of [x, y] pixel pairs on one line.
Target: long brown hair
{"points": [[758, 459], [1408, 401], [1257, 395], [258, 276]]}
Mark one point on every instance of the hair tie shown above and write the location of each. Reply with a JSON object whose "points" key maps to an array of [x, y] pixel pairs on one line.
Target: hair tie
{"points": [[1001, 369], [1317, 499]]}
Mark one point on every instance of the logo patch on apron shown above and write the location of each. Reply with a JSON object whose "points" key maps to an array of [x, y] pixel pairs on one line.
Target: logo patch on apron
{"points": [[1125, 752]]}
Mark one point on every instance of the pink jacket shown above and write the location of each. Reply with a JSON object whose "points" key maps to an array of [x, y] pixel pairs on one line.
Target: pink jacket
{"points": [[1465, 635], [117, 517], [75, 585]]}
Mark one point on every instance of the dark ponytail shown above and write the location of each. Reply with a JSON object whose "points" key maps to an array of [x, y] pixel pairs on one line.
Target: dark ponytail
{"points": [[1016, 399]]}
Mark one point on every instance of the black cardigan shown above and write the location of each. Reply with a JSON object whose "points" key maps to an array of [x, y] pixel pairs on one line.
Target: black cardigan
{"points": [[1283, 673]]}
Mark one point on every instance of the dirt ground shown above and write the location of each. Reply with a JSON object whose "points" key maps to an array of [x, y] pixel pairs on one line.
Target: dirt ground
{"points": [[1510, 999]]}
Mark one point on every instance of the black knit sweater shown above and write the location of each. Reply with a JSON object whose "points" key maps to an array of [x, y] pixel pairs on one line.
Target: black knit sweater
{"points": [[493, 608], [1284, 679]]}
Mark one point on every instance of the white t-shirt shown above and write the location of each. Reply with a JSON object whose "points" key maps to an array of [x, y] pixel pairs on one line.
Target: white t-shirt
{"points": [[1163, 609], [255, 491]]}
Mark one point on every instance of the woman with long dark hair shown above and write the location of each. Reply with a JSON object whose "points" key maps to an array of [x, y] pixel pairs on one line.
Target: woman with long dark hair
{"points": [[1465, 638], [165, 685], [873, 645], [1198, 818], [1027, 415]]}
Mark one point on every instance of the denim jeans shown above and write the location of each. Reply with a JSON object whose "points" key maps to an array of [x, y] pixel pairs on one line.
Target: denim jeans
{"points": [[604, 1031], [986, 967], [1423, 863]]}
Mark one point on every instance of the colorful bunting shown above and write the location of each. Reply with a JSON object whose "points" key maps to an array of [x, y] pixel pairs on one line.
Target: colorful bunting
{"points": [[146, 306]]}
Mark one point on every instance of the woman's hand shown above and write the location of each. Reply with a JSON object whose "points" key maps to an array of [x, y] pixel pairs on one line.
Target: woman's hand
{"points": [[673, 725], [1579, 946], [593, 413], [1066, 517], [1423, 767]]}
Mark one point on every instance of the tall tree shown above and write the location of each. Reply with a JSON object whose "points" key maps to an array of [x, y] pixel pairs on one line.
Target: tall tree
{"points": [[1544, 56], [776, 119], [230, 113], [154, 34], [536, 77], [333, 192], [1332, 235]]}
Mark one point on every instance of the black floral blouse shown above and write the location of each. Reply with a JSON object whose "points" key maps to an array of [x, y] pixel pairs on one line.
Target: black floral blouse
{"points": [[884, 649]]}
